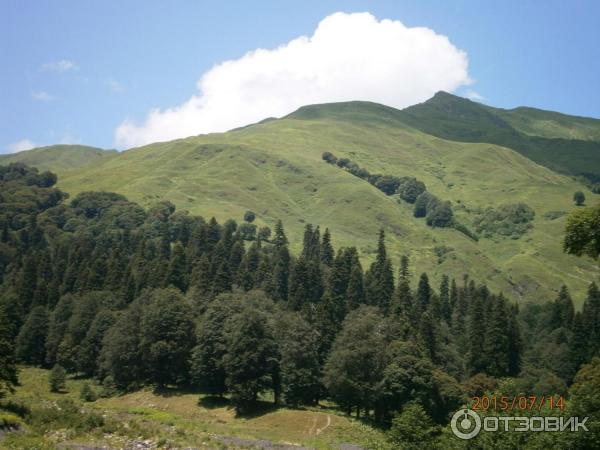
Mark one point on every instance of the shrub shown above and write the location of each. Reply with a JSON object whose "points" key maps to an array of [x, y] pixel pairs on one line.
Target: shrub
{"points": [[506, 220], [425, 203], [440, 215], [87, 394], [329, 158], [388, 184], [410, 188], [464, 230], [249, 216], [413, 428], [579, 198], [57, 379]]}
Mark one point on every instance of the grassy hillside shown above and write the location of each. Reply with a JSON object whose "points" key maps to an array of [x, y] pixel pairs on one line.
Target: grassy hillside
{"points": [[560, 142], [58, 157], [550, 124], [275, 169], [172, 419]]}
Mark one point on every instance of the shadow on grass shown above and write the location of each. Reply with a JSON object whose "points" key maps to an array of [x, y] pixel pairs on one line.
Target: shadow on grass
{"points": [[214, 401], [255, 409], [167, 391]]}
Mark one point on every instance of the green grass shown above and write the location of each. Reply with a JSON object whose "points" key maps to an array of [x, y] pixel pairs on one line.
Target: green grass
{"points": [[563, 143], [275, 169], [182, 419], [58, 157]]}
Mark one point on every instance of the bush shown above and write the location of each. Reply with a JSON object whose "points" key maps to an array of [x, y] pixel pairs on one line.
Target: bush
{"points": [[87, 394], [464, 230], [57, 379], [424, 201], [410, 188], [388, 184], [413, 428], [440, 215], [329, 158], [342, 162], [249, 216], [506, 220], [579, 198]]}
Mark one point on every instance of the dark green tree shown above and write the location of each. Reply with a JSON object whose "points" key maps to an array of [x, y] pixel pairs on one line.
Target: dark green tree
{"points": [[177, 272], [326, 248], [8, 368], [252, 357], [30, 347], [167, 337], [299, 363], [57, 379]]}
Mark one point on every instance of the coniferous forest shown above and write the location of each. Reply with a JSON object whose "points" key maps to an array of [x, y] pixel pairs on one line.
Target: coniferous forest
{"points": [[98, 287]]}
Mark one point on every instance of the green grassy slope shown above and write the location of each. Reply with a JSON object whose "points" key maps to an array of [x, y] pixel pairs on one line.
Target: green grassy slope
{"points": [[58, 157], [176, 419], [562, 143], [275, 169], [550, 124]]}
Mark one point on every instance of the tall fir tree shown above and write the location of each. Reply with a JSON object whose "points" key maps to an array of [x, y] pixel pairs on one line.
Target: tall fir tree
{"points": [[327, 253]]}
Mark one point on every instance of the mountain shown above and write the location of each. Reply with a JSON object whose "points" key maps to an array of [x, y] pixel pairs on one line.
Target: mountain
{"points": [[58, 157], [475, 156], [566, 144]]}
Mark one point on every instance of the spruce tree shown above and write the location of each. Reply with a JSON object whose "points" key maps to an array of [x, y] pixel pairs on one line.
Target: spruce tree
{"points": [[30, 347], [8, 368], [476, 337], [249, 267], [515, 343], [579, 343], [202, 279], [280, 239], [445, 304], [326, 249], [280, 278], [379, 280], [496, 346], [423, 296], [563, 310], [591, 318], [404, 301], [299, 285], [177, 272], [428, 335], [355, 293]]}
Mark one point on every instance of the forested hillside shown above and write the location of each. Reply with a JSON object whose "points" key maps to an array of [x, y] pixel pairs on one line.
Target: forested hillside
{"points": [[103, 288], [513, 207]]}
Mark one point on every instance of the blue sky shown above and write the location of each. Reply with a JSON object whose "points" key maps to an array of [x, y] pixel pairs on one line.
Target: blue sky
{"points": [[75, 71]]}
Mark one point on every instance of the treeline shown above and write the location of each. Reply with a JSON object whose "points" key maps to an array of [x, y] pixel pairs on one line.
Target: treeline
{"points": [[106, 289], [437, 213]]}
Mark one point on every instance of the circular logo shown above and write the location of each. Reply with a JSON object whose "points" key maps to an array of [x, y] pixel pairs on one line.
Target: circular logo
{"points": [[465, 424]]}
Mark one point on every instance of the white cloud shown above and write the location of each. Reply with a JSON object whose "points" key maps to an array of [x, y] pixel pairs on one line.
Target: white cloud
{"points": [[42, 96], [474, 95], [19, 146], [349, 57], [114, 85], [63, 65]]}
